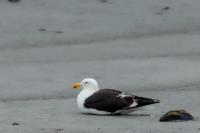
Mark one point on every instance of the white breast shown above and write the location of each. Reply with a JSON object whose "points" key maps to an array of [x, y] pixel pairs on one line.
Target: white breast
{"points": [[84, 94]]}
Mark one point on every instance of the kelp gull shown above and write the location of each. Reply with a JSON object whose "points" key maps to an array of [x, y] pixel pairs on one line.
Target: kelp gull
{"points": [[92, 100]]}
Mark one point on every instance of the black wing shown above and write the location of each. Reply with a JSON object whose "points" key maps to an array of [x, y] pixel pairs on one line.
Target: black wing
{"points": [[142, 101], [108, 100]]}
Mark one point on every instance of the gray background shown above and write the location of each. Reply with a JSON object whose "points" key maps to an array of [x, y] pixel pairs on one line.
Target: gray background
{"points": [[130, 45]]}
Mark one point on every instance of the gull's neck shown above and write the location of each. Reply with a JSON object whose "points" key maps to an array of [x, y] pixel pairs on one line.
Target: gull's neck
{"points": [[94, 89]]}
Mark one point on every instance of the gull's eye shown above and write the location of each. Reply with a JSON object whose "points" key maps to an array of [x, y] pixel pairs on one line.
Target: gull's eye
{"points": [[86, 82]]}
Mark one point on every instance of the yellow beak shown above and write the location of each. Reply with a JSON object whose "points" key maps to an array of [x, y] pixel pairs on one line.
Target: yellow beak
{"points": [[76, 86]]}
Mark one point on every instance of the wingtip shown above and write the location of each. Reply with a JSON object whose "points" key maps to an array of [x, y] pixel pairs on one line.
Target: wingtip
{"points": [[141, 101], [156, 101]]}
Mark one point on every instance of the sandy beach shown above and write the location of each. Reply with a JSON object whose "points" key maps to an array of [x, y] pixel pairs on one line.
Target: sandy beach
{"points": [[147, 48]]}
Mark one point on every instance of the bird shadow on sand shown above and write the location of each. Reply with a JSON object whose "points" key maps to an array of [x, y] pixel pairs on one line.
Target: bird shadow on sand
{"points": [[132, 115], [120, 115]]}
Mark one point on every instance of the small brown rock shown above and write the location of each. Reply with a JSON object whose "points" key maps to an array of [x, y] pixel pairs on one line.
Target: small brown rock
{"points": [[15, 124], [103, 1], [165, 8], [42, 29], [59, 32], [13, 1], [58, 130]]}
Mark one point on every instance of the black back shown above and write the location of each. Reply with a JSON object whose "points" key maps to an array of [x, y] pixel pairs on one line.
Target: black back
{"points": [[108, 100]]}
